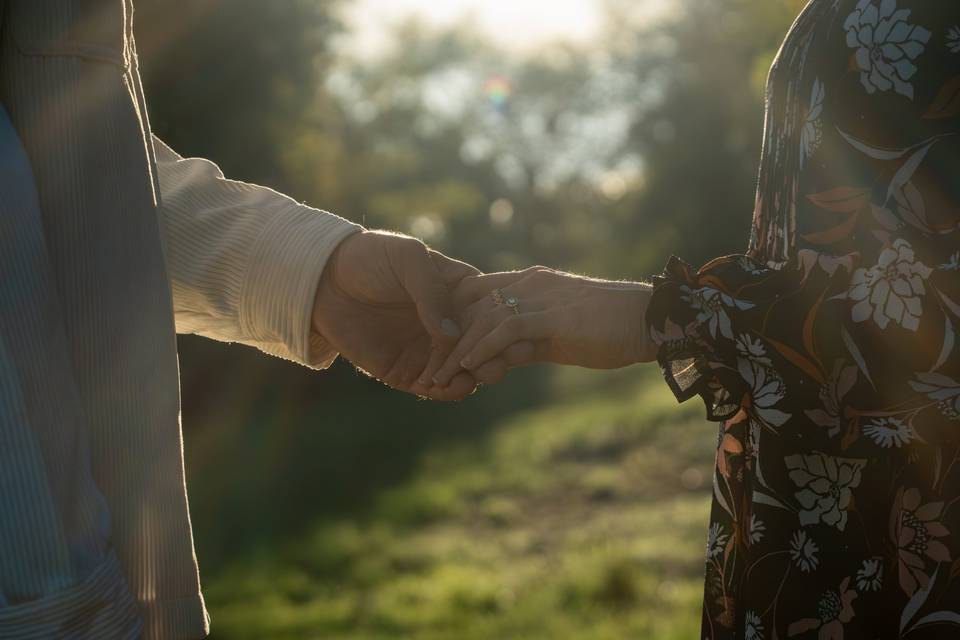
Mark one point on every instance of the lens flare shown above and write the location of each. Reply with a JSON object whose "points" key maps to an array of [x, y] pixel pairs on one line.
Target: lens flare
{"points": [[498, 91]]}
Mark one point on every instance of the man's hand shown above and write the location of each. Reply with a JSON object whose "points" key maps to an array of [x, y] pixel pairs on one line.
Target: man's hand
{"points": [[384, 303]]}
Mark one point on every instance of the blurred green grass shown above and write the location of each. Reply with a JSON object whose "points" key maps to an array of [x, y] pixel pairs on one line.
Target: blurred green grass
{"points": [[583, 517]]}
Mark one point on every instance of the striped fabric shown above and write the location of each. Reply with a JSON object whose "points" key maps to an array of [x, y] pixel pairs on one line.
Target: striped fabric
{"points": [[95, 278]]}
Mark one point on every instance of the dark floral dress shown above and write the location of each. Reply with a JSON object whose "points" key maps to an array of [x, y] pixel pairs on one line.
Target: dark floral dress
{"points": [[828, 352]]}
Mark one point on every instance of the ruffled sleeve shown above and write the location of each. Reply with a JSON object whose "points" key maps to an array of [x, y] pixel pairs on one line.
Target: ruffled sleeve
{"points": [[711, 325], [847, 302]]}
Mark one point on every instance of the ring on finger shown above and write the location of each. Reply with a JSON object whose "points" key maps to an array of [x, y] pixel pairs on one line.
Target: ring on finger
{"points": [[501, 300]]}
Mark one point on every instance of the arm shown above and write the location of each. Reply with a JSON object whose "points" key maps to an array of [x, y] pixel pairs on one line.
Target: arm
{"points": [[250, 265], [244, 261], [568, 319], [877, 192]]}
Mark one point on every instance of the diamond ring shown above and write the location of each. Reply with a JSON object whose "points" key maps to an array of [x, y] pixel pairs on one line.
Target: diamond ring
{"points": [[500, 299]]}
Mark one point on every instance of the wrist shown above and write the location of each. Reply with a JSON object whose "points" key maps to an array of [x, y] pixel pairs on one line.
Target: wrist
{"points": [[643, 347], [328, 288]]}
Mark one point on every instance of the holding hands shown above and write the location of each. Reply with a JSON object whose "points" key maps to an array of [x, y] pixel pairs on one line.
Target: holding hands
{"points": [[384, 303], [436, 327]]}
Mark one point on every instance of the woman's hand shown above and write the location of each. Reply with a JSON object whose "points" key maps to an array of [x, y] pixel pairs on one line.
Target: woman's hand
{"points": [[558, 317]]}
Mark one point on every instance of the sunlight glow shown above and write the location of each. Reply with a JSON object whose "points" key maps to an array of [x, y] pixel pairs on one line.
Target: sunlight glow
{"points": [[516, 24]]}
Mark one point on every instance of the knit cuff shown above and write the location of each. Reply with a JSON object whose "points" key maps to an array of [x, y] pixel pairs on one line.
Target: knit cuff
{"points": [[281, 280]]}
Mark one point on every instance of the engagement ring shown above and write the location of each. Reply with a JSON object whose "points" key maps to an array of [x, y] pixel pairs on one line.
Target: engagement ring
{"points": [[501, 300]]}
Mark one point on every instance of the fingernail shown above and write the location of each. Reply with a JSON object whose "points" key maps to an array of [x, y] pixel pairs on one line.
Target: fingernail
{"points": [[424, 382], [449, 328], [466, 362]]}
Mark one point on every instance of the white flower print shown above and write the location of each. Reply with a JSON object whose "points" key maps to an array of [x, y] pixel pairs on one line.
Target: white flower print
{"points": [[889, 432], [891, 289], [832, 393], [812, 133], [804, 550], [753, 629], [949, 410], [953, 264], [953, 39], [941, 388], [752, 349], [716, 539], [870, 575], [756, 529], [886, 45], [826, 487], [766, 389], [713, 305]]}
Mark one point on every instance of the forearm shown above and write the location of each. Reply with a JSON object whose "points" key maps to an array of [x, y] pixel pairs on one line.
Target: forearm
{"points": [[244, 261], [640, 293], [569, 319], [629, 302]]}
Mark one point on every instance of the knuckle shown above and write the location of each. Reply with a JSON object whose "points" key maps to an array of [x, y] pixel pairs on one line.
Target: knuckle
{"points": [[410, 247], [541, 274], [515, 325], [467, 319]]}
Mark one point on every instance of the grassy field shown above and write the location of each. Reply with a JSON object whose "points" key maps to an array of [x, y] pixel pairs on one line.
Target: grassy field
{"points": [[581, 516]]}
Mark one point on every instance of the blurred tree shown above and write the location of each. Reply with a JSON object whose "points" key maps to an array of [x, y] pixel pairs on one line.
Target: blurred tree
{"points": [[236, 81], [231, 80], [701, 137], [602, 159], [598, 159]]}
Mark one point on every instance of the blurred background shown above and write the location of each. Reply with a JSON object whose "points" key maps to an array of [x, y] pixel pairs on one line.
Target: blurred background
{"points": [[598, 136]]}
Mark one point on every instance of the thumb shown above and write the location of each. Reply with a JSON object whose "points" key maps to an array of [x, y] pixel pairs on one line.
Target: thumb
{"points": [[452, 271], [426, 286]]}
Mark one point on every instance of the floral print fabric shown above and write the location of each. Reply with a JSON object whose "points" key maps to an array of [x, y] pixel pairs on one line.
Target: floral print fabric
{"points": [[828, 352]]}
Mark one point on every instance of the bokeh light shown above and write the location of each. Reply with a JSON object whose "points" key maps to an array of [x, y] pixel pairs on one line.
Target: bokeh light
{"points": [[501, 212], [498, 91]]}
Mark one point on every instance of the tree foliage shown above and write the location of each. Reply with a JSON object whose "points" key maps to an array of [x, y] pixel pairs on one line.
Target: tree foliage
{"points": [[602, 159]]}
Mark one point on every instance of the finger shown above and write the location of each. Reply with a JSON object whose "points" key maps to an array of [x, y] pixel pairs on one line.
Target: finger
{"points": [[438, 357], [525, 327], [483, 306], [483, 325], [461, 386], [520, 354], [474, 312], [516, 355], [423, 282], [476, 288], [402, 375], [452, 271], [492, 372]]}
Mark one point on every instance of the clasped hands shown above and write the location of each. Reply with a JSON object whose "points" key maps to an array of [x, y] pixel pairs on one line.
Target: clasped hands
{"points": [[426, 324]]}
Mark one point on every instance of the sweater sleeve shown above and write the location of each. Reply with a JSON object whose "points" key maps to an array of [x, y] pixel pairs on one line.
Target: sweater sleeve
{"points": [[244, 261]]}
